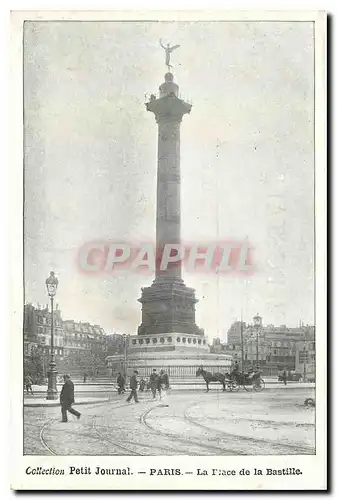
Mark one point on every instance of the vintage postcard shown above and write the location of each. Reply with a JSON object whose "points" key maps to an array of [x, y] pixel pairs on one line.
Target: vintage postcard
{"points": [[168, 246]]}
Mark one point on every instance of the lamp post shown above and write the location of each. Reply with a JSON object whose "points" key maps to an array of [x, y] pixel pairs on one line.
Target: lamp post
{"points": [[51, 284], [125, 356], [257, 325], [242, 347], [305, 364], [305, 354]]}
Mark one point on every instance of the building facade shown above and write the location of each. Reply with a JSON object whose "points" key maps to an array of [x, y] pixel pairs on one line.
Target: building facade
{"points": [[274, 348], [79, 347], [37, 334], [306, 360]]}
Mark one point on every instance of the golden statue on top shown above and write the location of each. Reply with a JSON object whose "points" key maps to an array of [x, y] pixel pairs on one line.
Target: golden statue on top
{"points": [[168, 50]]}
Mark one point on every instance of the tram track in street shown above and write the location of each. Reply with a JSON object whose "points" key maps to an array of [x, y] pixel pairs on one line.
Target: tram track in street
{"points": [[48, 423], [183, 442], [97, 434], [42, 437], [186, 441], [116, 444], [254, 441]]}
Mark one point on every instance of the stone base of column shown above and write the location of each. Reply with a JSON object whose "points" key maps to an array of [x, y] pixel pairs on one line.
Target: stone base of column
{"points": [[168, 305], [52, 393]]}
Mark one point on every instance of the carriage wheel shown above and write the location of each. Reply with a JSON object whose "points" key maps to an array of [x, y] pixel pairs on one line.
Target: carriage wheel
{"points": [[248, 387], [259, 387], [233, 386]]}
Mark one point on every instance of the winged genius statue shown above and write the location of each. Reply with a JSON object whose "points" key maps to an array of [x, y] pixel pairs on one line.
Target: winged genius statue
{"points": [[168, 50]]}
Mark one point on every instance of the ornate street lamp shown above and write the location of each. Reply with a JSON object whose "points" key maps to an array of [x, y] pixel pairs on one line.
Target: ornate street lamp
{"points": [[125, 355], [305, 352], [51, 284], [257, 325]]}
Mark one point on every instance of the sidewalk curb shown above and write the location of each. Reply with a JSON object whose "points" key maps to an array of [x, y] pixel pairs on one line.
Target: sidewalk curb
{"points": [[32, 404], [107, 387], [57, 403]]}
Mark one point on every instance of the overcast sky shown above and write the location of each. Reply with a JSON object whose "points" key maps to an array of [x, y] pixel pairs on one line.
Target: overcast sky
{"points": [[247, 161]]}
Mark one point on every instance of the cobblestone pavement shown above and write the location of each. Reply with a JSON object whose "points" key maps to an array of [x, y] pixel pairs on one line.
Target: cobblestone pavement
{"points": [[214, 423]]}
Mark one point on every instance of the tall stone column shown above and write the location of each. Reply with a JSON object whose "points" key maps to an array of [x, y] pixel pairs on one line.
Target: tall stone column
{"points": [[169, 111], [168, 305]]}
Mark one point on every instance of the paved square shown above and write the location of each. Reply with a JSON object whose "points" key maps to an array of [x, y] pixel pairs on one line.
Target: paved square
{"points": [[273, 422]]}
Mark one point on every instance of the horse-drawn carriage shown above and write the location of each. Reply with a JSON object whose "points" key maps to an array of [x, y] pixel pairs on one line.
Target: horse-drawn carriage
{"points": [[249, 381]]}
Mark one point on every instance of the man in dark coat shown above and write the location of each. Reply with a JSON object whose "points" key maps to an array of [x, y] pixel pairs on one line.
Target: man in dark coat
{"points": [[154, 379], [28, 384], [284, 376], [164, 379], [133, 387], [121, 383], [67, 399]]}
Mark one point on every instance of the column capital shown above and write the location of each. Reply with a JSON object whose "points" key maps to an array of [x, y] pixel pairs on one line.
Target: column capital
{"points": [[168, 108]]}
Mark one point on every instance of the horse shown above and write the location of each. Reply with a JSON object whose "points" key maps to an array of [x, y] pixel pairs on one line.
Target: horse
{"points": [[211, 377]]}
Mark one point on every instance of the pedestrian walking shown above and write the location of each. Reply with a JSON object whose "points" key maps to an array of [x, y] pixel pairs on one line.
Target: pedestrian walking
{"points": [[284, 376], [160, 384], [28, 384], [67, 399], [154, 382], [164, 384], [85, 376], [133, 387], [121, 383]]}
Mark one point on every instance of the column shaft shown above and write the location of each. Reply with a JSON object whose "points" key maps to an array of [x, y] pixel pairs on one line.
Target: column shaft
{"points": [[168, 193]]}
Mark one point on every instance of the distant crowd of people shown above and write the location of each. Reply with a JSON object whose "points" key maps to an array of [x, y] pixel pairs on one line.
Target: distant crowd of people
{"points": [[158, 383]]}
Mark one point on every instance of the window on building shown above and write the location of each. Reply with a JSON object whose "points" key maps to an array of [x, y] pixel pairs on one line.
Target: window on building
{"points": [[184, 340], [189, 340], [204, 342], [169, 339], [194, 341], [199, 341], [141, 341], [162, 340], [147, 341], [154, 341], [178, 339]]}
